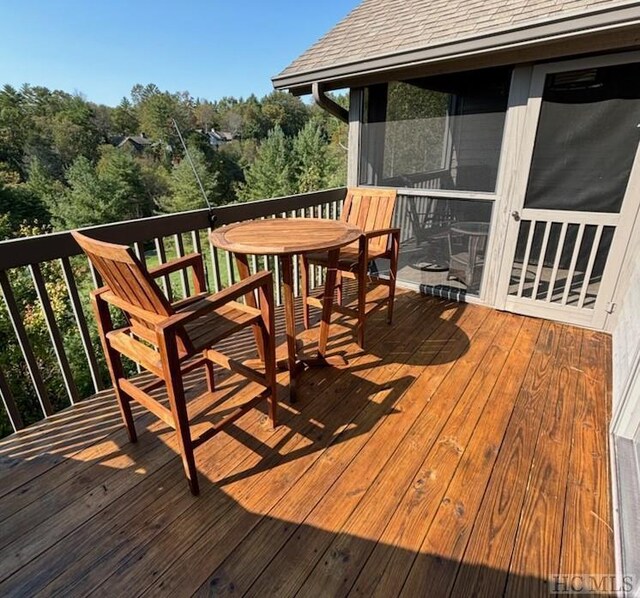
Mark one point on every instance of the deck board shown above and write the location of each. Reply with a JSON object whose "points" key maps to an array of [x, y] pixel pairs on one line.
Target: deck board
{"points": [[464, 451]]}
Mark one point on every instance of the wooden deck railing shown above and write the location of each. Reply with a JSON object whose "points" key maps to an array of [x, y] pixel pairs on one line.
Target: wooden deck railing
{"points": [[158, 238]]}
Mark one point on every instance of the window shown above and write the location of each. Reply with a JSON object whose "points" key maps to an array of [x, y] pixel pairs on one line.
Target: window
{"points": [[435, 133]]}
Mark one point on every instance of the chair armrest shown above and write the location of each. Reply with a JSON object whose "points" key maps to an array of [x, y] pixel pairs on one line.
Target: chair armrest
{"points": [[179, 263], [193, 260], [380, 232], [216, 300], [105, 294]]}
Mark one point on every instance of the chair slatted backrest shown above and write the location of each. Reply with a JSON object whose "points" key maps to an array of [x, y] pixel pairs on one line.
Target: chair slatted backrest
{"points": [[127, 278], [370, 209]]}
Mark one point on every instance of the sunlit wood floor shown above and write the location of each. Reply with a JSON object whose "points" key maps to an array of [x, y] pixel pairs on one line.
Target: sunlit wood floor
{"points": [[465, 451]]}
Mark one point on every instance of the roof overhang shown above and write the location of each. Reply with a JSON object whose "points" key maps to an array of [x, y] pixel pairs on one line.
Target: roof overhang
{"points": [[598, 31]]}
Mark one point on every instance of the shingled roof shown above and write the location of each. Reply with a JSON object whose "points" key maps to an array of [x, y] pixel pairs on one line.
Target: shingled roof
{"points": [[379, 29]]}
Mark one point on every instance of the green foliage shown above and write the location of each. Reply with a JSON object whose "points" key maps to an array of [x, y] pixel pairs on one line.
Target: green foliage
{"points": [[110, 191], [311, 159], [415, 129], [5, 227], [19, 204], [185, 193], [124, 119], [283, 110], [156, 112], [271, 174]]}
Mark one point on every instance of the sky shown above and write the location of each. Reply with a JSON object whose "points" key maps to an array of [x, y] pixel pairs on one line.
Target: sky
{"points": [[214, 48]]}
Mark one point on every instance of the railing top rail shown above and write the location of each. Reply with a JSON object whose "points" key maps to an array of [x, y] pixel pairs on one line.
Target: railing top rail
{"points": [[42, 248]]}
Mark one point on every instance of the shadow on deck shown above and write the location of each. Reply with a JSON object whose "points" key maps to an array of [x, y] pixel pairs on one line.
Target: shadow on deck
{"points": [[465, 450]]}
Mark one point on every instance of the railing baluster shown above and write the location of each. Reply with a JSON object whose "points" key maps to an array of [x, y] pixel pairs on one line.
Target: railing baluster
{"points": [[556, 261], [229, 263], [215, 264], [184, 276], [543, 251], [25, 345], [161, 252], [278, 276], [95, 276], [85, 337], [296, 265], [195, 239], [138, 248], [9, 404], [197, 247], [527, 253], [318, 214], [590, 263], [572, 267], [54, 333]]}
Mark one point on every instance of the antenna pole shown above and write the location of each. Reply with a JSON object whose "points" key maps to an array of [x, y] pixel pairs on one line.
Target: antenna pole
{"points": [[212, 216]]}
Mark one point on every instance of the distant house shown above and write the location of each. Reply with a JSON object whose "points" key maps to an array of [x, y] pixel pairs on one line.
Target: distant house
{"points": [[137, 143], [218, 138]]}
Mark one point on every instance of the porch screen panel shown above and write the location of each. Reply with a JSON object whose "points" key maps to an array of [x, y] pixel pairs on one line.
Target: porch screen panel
{"points": [[436, 133], [443, 244], [586, 140]]}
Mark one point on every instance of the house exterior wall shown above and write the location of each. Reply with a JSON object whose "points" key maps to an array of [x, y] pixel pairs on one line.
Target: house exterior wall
{"points": [[625, 427], [624, 326]]}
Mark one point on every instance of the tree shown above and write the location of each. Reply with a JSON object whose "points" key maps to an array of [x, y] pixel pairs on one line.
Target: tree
{"points": [[18, 203], [156, 112], [14, 127], [124, 118], [271, 175], [88, 199], [122, 173], [311, 158], [205, 114], [184, 191], [283, 110], [74, 132], [112, 191], [44, 185]]}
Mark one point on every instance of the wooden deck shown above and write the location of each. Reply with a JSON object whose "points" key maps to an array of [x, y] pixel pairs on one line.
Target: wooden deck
{"points": [[465, 451]]}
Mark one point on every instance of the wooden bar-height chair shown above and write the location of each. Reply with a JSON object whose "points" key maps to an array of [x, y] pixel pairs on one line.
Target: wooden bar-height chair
{"points": [[372, 211], [163, 337]]}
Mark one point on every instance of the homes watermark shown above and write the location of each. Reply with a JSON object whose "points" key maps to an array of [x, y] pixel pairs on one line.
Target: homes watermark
{"points": [[591, 583]]}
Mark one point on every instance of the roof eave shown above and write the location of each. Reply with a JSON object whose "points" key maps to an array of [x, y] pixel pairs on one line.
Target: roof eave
{"points": [[612, 27]]}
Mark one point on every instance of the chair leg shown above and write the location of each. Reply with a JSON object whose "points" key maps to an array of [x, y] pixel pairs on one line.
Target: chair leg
{"points": [[269, 335], [175, 390], [208, 373], [304, 283], [270, 373], [114, 363], [339, 287], [393, 274], [362, 303]]}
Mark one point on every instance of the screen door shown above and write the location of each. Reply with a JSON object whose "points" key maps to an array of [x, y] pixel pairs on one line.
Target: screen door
{"points": [[577, 191]]}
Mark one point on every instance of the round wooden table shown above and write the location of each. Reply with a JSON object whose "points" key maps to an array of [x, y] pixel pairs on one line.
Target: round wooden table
{"points": [[284, 238]]}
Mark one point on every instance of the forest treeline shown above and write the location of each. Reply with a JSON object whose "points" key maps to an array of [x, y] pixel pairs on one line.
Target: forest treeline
{"points": [[63, 163]]}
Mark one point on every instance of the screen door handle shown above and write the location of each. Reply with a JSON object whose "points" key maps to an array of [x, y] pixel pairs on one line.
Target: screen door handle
{"points": [[515, 215]]}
